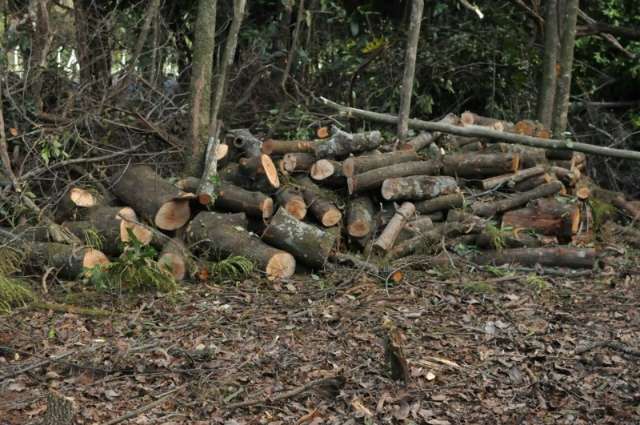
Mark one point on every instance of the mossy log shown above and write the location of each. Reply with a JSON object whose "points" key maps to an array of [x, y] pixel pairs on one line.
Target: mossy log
{"points": [[208, 234], [309, 244], [154, 198], [373, 179], [561, 256], [417, 188]]}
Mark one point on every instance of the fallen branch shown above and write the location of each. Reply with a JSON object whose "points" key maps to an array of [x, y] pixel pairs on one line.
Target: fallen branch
{"points": [[491, 135]]}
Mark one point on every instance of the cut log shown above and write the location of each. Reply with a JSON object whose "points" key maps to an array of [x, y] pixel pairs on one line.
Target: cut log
{"points": [[415, 228], [361, 164], [486, 240], [510, 180], [24, 233], [417, 187], [488, 209], [188, 184], [260, 165], [341, 144], [154, 198], [529, 156], [309, 244], [470, 118], [174, 257], [388, 237], [70, 262], [533, 182], [292, 201], [298, 162], [209, 179], [236, 199], [74, 200], [566, 176], [419, 142], [431, 237], [207, 233], [545, 216], [106, 220], [445, 202], [282, 147], [360, 217], [243, 140], [569, 257], [483, 165], [373, 179], [322, 209], [325, 168], [232, 174]]}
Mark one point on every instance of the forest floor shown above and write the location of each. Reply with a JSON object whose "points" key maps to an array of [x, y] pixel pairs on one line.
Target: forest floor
{"points": [[482, 349]]}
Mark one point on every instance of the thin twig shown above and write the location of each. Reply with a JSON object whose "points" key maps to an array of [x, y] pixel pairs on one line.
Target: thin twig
{"points": [[146, 407]]}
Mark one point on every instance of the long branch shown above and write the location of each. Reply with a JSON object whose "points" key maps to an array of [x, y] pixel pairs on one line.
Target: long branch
{"points": [[489, 134]]}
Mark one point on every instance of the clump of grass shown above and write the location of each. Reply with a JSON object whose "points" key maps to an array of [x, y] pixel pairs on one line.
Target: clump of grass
{"points": [[233, 267], [13, 293], [497, 237], [479, 287], [602, 211], [10, 261], [537, 283]]}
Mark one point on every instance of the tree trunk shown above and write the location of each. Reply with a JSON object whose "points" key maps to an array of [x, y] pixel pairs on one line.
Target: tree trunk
{"points": [[322, 209], [409, 68], [416, 188], [212, 236], [282, 147], [155, 199], [294, 44], [292, 201], [547, 217], [360, 217], [309, 244], [374, 178], [361, 164], [488, 209], [574, 258], [236, 199], [341, 144], [561, 107], [445, 202], [483, 165], [297, 162], [388, 237], [546, 95], [200, 91]]}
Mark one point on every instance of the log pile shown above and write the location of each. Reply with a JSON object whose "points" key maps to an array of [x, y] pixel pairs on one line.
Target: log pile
{"points": [[295, 205]]}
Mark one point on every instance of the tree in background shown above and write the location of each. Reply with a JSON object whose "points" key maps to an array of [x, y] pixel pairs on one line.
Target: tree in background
{"points": [[547, 92]]}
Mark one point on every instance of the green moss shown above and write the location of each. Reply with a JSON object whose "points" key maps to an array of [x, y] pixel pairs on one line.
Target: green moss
{"points": [[13, 293], [601, 210], [479, 287]]}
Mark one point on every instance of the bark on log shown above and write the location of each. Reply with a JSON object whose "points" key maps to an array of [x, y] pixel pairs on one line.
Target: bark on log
{"points": [[470, 118], [309, 244], [529, 156], [69, 261], [486, 240], [388, 237], [188, 184], [484, 165], [429, 238], [574, 258], [209, 179], [232, 174], [206, 231], [292, 201], [417, 187], [322, 209], [360, 217], [533, 182], [297, 162], [361, 164], [59, 410], [488, 209], [373, 179], [445, 202], [174, 257], [283, 147], [122, 218], [420, 142], [76, 199], [547, 217], [415, 228], [341, 144], [236, 199], [155, 199], [246, 142], [476, 131], [510, 180], [326, 168], [617, 199], [262, 165]]}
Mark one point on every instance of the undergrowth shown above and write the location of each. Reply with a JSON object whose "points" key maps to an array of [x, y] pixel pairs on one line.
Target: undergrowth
{"points": [[13, 292], [234, 267]]}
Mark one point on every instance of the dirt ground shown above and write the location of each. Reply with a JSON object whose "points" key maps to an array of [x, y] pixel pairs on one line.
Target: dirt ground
{"points": [[482, 349]]}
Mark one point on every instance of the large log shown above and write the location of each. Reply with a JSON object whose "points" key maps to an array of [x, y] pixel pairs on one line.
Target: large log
{"points": [[445, 202], [236, 199], [211, 236], [292, 201], [326, 168], [360, 217], [529, 157], [361, 164], [417, 187], [510, 180], [388, 237], [174, 257], [322, 209], [309, 244], [69, 261], [488, 209], [545, 216], [154, 198], [427, 139], [283, 147], [298, 162], [480, 165], [415, 227], [561, 256], [373, 179], [341, 144], [232, 174]]}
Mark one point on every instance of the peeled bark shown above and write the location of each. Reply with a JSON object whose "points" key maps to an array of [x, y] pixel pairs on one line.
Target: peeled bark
{"points": [[297, 162], [154, 198], [488, 209], [360, 217], [388, 237], [341, 144], [361, 164], [547, 217], [510, 180], [69, 261], [173, 257], [283, 147], [415, 228], [210, 235], [484, 165], [236, 199], [292, 201], [374, 178], [574, 258], [445, 202], [322, 209], [309, 244], [417, 187]]}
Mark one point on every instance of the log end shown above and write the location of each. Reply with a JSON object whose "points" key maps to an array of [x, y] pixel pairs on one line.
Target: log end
{"points": [[222, 150], [467, 118], [322, 170], [389, 188], [173, 215], [82, 198], [297, 208], [93, 257], [267, 208], [281, 266], [348, 167], [270, 171], [358, 229], [175, 264], [331, 217], [583, 193]]}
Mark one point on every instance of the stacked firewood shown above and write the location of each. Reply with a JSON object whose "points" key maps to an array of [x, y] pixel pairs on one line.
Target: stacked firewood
{"points": [[295, 205]]}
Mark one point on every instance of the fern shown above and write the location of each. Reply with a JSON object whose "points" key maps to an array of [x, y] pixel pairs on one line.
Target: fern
{"points": [[233, 267], [13, 294]]}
